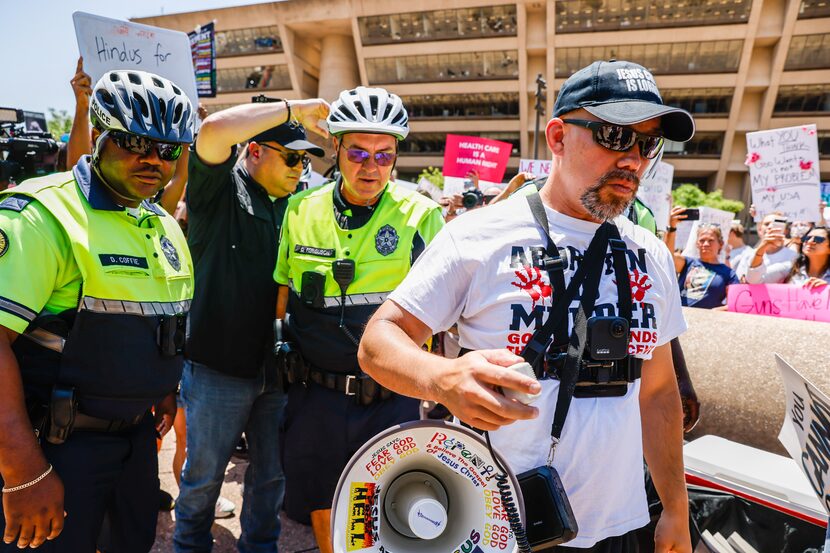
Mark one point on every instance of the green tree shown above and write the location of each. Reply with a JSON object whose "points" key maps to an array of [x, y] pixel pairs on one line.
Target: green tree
{"points": [[689, 195], [434, 175], [59, 122]]}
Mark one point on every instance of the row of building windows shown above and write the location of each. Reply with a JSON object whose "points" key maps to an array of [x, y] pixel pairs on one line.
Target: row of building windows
{"points": [[803, 99], [576, 16], [468, 66], [265, 77], [702, 144], [720, 56], [463, 106], [244, 42], [813, 8], [809, 52], [700, 101], [439, 25]]}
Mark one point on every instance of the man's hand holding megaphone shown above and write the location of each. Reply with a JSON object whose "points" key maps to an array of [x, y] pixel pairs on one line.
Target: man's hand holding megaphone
{"points": [[472, 389]]}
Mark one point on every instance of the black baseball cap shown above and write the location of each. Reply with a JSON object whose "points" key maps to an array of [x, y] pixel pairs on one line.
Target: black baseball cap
{"points": [[623, 93], [290, 136]]}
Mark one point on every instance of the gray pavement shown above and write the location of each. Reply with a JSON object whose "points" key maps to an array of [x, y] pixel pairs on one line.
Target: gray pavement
{"points": [[295, 538]]}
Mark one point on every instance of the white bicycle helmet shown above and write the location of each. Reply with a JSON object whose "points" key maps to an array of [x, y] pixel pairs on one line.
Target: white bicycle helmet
{"points": [[144, 104], [369, 110]]}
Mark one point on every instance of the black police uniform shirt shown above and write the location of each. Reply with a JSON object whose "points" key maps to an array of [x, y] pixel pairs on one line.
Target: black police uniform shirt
{"points": [[233, 232], [482, 271]]}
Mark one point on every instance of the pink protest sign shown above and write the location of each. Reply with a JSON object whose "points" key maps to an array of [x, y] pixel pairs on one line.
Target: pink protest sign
{"points": [[780, 300], [463, 154]]}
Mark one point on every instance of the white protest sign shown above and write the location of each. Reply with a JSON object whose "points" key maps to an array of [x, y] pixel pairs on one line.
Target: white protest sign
{"points": [[805, 433], [426, 185], [537, 167], [711, 216], [784, 172], [109, 44], [655, 192]]}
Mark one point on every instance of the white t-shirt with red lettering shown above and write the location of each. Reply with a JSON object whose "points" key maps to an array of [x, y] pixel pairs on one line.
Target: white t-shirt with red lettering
{"points": [[482, 273]]}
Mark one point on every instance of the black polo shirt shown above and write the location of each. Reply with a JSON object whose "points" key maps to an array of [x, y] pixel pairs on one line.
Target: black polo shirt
{"points": [[233, 232]]}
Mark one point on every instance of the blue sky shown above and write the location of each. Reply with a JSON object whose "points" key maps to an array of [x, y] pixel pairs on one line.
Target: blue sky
{"points": [[39, 50]]}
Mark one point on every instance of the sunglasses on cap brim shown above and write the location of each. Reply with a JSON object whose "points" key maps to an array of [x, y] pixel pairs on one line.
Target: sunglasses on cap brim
{"points": [[619, 138], [141, 145]]}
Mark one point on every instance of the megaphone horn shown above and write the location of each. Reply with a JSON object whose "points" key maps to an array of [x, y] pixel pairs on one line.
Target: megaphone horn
{"points": [[424, 486]]}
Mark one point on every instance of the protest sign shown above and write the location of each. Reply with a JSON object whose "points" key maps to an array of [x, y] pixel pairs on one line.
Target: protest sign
{"points": [[806, 427], [784, 172], [537, 167], [825, 197], [687, 230], [655, 192], [203, 52], [465, 154], [110, 44], [426, 185], [789, 301]]}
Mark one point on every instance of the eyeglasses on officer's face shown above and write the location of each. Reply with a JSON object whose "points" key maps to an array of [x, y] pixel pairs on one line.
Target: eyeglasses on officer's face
{"points": [[291, 158], [142, 145], [357, 155], [619, 138]]}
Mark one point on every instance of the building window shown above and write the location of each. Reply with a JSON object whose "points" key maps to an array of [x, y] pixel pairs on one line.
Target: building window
{"points": [[814, 8], [265, 77], [463, 106], [439, 25], [703, 144], [802, 99], [700, 101], [824, 144], [433, 144], [721, 56], [242, 42], [809, 52], [577, 16], [469, 66]]}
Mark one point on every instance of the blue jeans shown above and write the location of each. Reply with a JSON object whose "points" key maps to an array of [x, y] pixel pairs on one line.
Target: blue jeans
{"points": [[219, 408]]}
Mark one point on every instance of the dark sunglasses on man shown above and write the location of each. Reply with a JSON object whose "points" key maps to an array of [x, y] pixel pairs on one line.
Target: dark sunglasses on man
{"points": [[291, 158], [619, 138], [141, 145]]}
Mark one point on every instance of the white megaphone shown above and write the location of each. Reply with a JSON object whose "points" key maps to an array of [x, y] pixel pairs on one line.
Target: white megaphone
{"points": [[426, 486]]}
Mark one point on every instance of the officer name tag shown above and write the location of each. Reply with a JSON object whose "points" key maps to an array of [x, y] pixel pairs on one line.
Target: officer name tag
{"points": [[310, 250], [109, 259]]}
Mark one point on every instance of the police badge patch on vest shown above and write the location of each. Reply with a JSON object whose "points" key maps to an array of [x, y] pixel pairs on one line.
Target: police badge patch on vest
{"points": [[386, 240], [4, 243], [170, 253]]}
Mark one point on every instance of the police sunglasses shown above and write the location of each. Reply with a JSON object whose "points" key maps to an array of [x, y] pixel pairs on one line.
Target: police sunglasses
{"points": [[620, 139], [142, 145], [291, 158], [384, 159]]}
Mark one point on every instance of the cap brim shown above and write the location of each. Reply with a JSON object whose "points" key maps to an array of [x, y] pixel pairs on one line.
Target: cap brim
{"points": [[309, 147], [677, 124]]}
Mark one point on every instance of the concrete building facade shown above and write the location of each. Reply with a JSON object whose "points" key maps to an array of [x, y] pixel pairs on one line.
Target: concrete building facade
{"points": [[470, 66]]}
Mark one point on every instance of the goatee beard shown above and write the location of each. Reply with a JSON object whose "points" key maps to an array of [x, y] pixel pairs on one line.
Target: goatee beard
{"points": [[604, 210]]}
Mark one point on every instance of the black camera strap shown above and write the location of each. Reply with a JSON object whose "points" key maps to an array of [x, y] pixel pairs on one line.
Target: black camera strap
{"points": [[590, 271]]}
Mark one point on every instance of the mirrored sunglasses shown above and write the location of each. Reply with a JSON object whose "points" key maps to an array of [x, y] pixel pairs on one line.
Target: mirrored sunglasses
{"points": [[619, 138], [142, 145], [384, 159]]}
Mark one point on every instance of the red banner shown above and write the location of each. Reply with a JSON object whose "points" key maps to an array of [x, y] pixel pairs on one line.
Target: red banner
{"points": [[464, 154]]}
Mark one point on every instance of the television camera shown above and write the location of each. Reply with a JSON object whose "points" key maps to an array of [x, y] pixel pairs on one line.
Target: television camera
{"points": [[24, 152]]}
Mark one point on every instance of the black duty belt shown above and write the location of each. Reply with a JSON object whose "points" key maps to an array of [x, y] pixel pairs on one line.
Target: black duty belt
{"points": [[94, 424], [363, 388]]}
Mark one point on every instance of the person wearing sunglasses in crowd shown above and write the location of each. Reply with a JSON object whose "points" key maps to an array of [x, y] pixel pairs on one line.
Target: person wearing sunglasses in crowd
{"points": [[812, 267], [486, 272], [95, 287], [235, 208], [344, 247]]}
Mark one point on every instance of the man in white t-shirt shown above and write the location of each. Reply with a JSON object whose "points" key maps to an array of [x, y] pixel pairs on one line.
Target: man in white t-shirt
{"points": [[483, 272]]}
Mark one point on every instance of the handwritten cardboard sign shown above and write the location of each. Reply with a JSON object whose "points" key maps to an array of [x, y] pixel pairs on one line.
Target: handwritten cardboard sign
{"points": [[110, 44], [464, 154], [655, 192], [537, 167], [780, 300], [687, 230], [784, 172], [806, 428]]}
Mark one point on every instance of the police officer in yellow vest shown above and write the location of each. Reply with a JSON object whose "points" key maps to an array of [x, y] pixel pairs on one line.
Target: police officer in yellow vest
{"points": [[95, 286], [344, 247]]}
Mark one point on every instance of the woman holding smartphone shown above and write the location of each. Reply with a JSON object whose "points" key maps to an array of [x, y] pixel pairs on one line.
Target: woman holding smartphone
{"points": [[812, 268]]}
